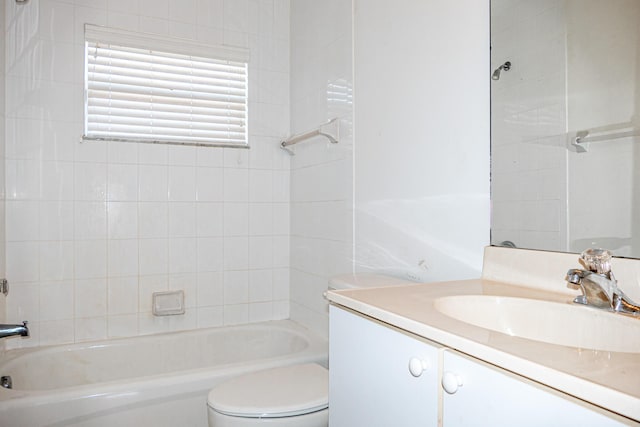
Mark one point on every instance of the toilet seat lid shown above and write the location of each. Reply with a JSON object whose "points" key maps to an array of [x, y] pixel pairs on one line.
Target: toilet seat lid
{"points": [[279, 392]]}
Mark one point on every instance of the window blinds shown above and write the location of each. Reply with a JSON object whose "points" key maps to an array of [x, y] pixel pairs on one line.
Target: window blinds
{"points": [[146, 88]]}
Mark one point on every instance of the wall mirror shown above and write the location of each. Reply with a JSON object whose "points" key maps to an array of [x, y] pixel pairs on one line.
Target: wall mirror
{"points": [[565, 144]]}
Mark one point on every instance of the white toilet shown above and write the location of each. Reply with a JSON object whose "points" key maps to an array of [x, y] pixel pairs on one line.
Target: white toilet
{"points": [[296, 395]]}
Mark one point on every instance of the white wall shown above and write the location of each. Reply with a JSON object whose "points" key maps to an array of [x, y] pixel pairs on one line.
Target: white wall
{"points": [[421, 137], [94, 228], [321, 173]]}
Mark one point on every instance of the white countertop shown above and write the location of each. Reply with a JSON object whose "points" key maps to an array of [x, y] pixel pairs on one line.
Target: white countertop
{"points": [[608, 379]]}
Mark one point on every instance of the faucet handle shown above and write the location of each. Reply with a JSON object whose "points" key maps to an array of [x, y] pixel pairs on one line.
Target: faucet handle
{"points": [[597, 261]]}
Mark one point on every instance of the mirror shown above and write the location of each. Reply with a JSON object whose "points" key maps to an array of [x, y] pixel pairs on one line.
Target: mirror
{"points": [[565, 152]]}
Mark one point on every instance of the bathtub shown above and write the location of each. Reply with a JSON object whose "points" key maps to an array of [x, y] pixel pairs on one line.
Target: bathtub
{"points": [[154, 380]]}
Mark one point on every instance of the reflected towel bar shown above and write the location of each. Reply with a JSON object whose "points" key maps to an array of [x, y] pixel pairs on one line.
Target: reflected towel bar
{"points": [[310, 134], [583, 137]]}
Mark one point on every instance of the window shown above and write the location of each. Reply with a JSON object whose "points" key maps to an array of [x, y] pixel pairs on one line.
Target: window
{"points": [[147, 88]]}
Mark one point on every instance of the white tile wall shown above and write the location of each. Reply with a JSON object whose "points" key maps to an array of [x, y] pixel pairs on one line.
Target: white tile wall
{"points": [[96, 228], [321, 173]]}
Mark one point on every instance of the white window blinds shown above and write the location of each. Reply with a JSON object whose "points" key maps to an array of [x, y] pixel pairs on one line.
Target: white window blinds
{"points": [[148, 88]]}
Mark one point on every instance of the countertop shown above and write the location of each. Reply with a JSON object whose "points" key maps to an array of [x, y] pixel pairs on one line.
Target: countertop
{"points": [[607, 379]]}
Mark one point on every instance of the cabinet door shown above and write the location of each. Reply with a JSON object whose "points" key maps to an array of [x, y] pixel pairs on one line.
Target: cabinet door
{"points": [[370, 381], [489, 396]]}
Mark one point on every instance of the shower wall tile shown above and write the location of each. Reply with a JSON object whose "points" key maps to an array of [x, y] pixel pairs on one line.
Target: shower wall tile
{"points": [[153, 256], [261, 222], [260, 285], [209, 184], [183, 253], [23, 262], [94, 228], [153, 220], [182, 219], [22, 220], [122, 295], [57, 180], [22, 179], [24, 302], [56, 301], [209, 219], [236, 185], [236, 253], [56, 220], [122, 220], [260, 311], [90, 298], [56, 260], [236, 219], [321, 173], [235, 314], [210, 254], [91, 328], [209, 317], [210, 288], [262, 252]]}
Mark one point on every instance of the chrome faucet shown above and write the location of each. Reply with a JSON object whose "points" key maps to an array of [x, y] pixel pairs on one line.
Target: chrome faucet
{"points": [[11, 330], [598, 285]]}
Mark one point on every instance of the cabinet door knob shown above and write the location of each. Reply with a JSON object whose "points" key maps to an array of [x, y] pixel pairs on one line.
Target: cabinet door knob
{"points": [[418, 366], [451, 382]]}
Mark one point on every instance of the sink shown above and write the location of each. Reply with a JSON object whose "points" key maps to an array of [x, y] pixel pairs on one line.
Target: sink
{"points": [[544, 321]]}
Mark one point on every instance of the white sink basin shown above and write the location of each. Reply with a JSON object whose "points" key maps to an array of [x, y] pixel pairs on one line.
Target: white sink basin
{"points": [[549, 322]]}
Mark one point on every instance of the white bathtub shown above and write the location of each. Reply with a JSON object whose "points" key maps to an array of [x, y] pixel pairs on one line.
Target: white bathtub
{"points": [[156, 380]]}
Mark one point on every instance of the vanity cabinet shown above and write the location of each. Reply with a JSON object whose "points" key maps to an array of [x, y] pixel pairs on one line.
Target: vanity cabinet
{"points": [[371, 383], [484, 395], [382, 376]]}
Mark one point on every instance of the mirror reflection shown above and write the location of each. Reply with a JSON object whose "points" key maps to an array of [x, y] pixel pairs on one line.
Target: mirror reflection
{"points": [[565, 88]]}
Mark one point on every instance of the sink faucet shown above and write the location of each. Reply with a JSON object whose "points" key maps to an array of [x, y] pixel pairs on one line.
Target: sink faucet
{"points": [[598, 285], [11, 330]]}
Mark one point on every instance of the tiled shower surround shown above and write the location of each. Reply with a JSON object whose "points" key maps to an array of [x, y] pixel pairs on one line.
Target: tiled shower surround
{"points": [[93, 229]]}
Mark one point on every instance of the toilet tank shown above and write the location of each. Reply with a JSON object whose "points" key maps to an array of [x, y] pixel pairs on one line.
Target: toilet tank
{"points": [[365, 280]]}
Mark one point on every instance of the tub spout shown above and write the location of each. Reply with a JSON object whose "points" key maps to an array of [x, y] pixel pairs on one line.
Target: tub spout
{"points": [[11, 330]]}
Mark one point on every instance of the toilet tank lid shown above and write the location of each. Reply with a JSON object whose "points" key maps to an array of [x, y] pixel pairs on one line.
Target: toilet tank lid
{"points": [[273, 393], [365, 280]]}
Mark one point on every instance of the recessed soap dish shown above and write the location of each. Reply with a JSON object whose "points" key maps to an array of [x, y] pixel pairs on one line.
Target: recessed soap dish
{"points": [[168, 303]]}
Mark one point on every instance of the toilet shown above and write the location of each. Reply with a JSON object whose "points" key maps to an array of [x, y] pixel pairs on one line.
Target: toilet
{"points": [[296, 395]]}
